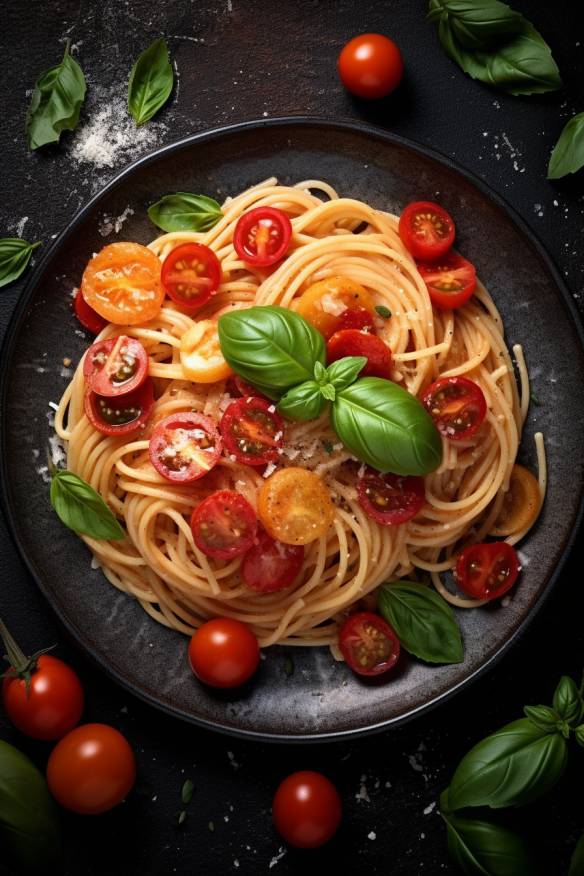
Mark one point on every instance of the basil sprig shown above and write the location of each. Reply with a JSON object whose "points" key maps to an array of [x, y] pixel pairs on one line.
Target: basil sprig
{"points": [[15, 255], [56, 102], [80, 508], [185, 212], [151, 82], [568, 154], [305, 402], [424, 622]]}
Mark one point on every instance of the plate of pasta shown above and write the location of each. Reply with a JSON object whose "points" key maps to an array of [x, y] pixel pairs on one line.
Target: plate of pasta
{"points": [[309, 472]]}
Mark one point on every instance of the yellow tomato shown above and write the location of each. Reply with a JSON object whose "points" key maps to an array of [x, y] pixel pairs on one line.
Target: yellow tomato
{"points": [[323, 302], [295, 506], [521, 504], [122, 283], [200, 354]]}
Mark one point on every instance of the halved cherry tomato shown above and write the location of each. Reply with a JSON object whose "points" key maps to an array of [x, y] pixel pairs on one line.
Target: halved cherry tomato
{"points": [[426, 230], [323, 303], [262, 236], [236, 385], [252, 431], [450, 280], [191, 273], [200, 353], [224, 525], [87, 316], [390, 499], [355, 318], [306, 809], [487, 570], [184, 447], [457, 406], [368, 644], [115, 366], [122, 283], [122, 414], [370, 66], [295, 506], [271, 565], [224, 653], [521, 503], [351, 342]]}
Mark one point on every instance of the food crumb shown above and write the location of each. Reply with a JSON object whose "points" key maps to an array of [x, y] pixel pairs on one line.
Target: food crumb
{"points": [[372, 835], [278, 857], [67, 361], [430, 808]]}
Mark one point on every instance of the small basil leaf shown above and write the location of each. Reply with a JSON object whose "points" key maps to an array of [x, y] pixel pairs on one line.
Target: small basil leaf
{"points": [[151, 82], [579, 734], [185, 212], [80, 508], [56, 102], [383, 311], [577, 862], [328, 391], [568, 154], [423, 620], [14, 257], [481, 848], [320, 372], [302, 402], [478, 24], [567, 701], [386, 427], [512, 767], [343, 372], [186, 794], [544, 717]]}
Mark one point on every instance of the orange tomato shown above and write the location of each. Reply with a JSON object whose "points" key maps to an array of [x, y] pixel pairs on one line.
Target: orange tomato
{"points": [[122, 283], [521, 503], [200, 354], [295, 506], [323, 302]]}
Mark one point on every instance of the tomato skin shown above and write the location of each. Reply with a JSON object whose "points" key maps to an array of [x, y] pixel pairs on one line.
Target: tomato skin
{"points": [[236, 385], [122, 283], [351, 342], [390, 499], [521, 504], [368, 644], [307, 809], [142, 399], [191, 274], [370, 66], [196, 454], [324, 302], [426, 230], [251, 431], [224, 525], [262, 236], [87, 316], [295, 506], [224, 653], [201, 358], [115, 353], [270, 565], [91, 770], [355, 318], [457, 405], [450, 281], [487, 570]]}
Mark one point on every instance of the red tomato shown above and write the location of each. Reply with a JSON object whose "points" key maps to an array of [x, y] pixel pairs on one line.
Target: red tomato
{"points": [[224, 653], [262, 236], [236, 385], [271, 565], [457, 406], [351, 342], [224, 525], [120, 415], [487, 571], [355, 318], [87, 316], [390, 499], [450, 281], [115, 366], [368, 644], [91, 770], [307, 809], [184, 447], [426, 230], [251, 431], [191, 273], [370, 66]]}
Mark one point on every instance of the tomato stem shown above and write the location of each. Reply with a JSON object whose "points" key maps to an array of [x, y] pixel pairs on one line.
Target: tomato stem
{"points": [[20, 665]]}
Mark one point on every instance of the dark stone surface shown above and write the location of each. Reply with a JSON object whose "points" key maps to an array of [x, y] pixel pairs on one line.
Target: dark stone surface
{"points": [[286, 56]]}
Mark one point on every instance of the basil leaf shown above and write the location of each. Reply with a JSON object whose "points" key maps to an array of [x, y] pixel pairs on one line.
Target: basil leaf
{"points": [[15, 255], [271, 347], [320, 373], [386, 427], [343, 372], [568, 154], [577, 862], [481, 847], [478, 24], [185, 212], [304, 402], [328, 392], [29, 828], [383, 311], [56, 102], [567, 701], [423, 620], [80, 508], [579, 734], [544, 717], [151, 82], [513, 766]]}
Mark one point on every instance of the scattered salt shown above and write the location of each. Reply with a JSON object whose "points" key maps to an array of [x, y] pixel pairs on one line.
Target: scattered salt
{"points": [[232, 760], [278, 857], [58, 452], [372, 835], [429, 808], [114, 223]]}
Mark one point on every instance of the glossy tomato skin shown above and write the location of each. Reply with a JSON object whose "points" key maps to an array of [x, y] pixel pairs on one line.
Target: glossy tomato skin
{"points": [[307, 809], [324, 302], [87, 316], [487, 570], [237, 386], [91, 770], [351, 342], [191, 274], [390, 499], [252, 431], [457, 405], [368, 644], [426, 230], [224, 525], [270, 565], [295, 506], [370, 66], [355, 318], [128, 412], [262, 236], [451, 280], [115, 366], [224, 653], [53, 704], [184, 447], [122, 283]]}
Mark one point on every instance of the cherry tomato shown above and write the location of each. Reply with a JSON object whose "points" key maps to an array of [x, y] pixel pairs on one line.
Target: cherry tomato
{"points": [[368, 644], [457, 406], [390, 499], [122, 414], [224, 525], [91, 770], [115, 366], [307, 809], [262, 236], [122, 283], [426, 230], [323, 303], [200, 353], [355, 318], [271, 565], [191, 273], [252, 431], [224, 653], [236, 385], [184, 447], [370, 66], [521, 504], [87, 316], [488, 570], [351, 342], [295, 506], [450, 281]]}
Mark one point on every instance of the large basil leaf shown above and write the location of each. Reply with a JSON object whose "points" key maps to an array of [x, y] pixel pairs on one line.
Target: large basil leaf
{"points": [[567, 701], [271, 347], [386, 427], [568, 154], [304, 402], [487, 849], [56, 102], [80, 508], [478, 24], [511, 767], [577, 862], [185, 212], [423, 620], [29, 828], [15, 255], [151, 82]]}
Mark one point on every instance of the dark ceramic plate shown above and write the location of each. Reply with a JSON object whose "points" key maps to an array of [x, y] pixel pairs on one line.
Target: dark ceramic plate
{"points": [[320, 699]]}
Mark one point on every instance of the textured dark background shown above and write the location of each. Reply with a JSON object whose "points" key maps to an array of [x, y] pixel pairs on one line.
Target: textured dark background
{"points": [[238, 60]]}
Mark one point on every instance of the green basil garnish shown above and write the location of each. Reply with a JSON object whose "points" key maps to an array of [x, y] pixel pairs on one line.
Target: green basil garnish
{"points": [[15, 255], [577, 862], [383, 311], [481, 848], [80, 508], [568, 154], [303, 402], [56, 102], [423, 620], [185, 212], [567, 701], [151, 82], [544, 717], [344, 372]]}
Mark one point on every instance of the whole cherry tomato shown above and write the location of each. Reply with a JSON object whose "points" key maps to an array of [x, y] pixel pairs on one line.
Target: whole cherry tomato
{"points": [[307, 809], [371, 66]]}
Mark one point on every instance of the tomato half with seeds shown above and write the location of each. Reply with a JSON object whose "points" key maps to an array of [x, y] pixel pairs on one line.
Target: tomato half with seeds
{"points": [[191, 273], [295, 506], [355, 318], [426, 230], [184, 447], [324, 301], [121, 414], [368, 644], [224, 525], [87, 316], [450, 280], [115, 366], [262, 236], [457, 405], [224, 653], [350, 342], [487, 570], [122, 283], [390, 499], [270, 565], [252, 431], [521, 503]]}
